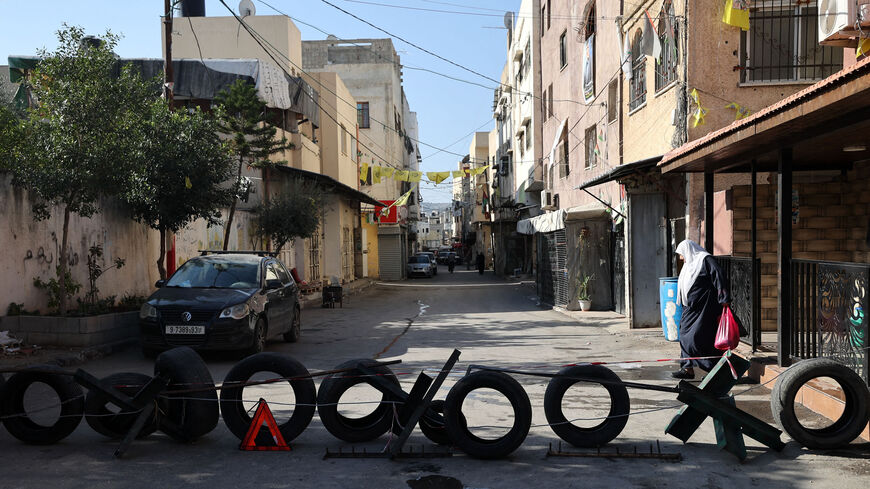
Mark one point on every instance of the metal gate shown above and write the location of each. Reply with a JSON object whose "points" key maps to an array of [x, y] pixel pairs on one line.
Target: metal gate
{"points": [[390, 257], [553, 268], [618, 260]]}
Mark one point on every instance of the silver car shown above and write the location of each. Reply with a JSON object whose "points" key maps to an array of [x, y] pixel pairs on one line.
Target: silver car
{"points": [[419, 265], [431, 260]]}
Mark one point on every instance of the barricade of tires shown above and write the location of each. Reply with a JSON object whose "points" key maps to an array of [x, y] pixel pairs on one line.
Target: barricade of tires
{"points": [[189, 407]]}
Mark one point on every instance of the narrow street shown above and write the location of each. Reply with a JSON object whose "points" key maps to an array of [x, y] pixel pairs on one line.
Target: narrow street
{"points": [[493, 322]]}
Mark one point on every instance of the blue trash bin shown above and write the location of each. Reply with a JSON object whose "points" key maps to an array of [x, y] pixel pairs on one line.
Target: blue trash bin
{"points": [[671, 311]]}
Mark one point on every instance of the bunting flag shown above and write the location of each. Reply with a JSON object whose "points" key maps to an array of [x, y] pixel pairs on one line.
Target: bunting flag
{"points": [[387, 172], [438, 176], [737, 13], [187, 183], [742, 112], [863, 47], [401, 175], [415, 176], [459, 173], [700, 112], [650, 43], [376, 174], [363, 171], [477, 171]]}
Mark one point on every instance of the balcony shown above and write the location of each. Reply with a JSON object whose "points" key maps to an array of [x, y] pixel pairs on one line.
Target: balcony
{"points": [[535, 182], [305, 154]]}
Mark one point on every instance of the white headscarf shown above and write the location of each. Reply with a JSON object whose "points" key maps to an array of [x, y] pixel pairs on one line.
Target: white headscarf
{"points": [[694, 256]]}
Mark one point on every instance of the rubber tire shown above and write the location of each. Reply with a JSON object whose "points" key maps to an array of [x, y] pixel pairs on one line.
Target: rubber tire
{"points": [[435, 429], [458, 430], [295, 332], [355, 430], [233, 410], [604, 432], [116, 427], [196, 413], [258, 342], [69, 393], [856, 411]]}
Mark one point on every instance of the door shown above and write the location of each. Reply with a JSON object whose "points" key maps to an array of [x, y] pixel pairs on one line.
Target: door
{"points": [[291, 293], [648, 257], [390, 255], [277, 310], [618, 260]]}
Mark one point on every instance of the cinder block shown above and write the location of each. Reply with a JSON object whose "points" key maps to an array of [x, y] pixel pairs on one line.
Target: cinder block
{"points": [[820, 222], [742, 202], [742, 224], [835, 233], [805, 234], [838, 210], [740, 213], [823, 245]]}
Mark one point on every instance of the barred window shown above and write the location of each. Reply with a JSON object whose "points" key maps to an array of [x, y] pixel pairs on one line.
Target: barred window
{"points": [[782, 44], [362, 114], [637, 86], [666, 67]]}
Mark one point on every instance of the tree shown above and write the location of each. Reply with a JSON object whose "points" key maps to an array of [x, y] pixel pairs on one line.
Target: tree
{"points": [[77, 141], [251, 137], [9, 136], [183, 165], [294, 213]]}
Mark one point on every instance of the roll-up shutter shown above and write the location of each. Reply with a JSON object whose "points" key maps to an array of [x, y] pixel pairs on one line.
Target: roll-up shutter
{"points": [[390, 257]]}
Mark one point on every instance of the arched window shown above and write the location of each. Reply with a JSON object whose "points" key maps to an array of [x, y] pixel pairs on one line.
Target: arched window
{"points": [[666, 67], [637, 87]]}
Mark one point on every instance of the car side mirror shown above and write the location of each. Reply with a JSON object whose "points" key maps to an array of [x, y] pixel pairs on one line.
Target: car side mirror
{"points": [[160, 283], [273, 283]]}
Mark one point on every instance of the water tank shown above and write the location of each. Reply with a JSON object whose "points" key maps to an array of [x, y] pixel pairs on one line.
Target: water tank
{"points": [[193, 8]]}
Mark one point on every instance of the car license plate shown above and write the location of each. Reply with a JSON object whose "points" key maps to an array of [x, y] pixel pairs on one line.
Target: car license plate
{"points": [[171, 329]]}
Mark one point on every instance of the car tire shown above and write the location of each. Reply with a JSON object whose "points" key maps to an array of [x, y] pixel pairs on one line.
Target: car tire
{"points": [[856, 409], [114, 424], [150, 353], [433, 424], [355, 430], [295, 332], [457, 428], [14, 414], [258, 342], [235, 415], [604, 432], [194, 413]]}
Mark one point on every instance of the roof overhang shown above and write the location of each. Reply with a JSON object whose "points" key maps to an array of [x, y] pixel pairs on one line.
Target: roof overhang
{"points": [[330, 184], [621, 171], [817, 123]]}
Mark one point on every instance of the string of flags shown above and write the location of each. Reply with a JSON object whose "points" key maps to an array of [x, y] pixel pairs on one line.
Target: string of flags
{"points": [[700, 112], [379, 173]]}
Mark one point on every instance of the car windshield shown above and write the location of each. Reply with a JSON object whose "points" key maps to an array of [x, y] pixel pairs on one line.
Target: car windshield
{"points": [[418, 259], [217, 273]]}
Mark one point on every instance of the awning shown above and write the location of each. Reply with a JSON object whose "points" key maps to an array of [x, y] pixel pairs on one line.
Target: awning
{"points": [[330, 184], [621, 171], [554, 221]]}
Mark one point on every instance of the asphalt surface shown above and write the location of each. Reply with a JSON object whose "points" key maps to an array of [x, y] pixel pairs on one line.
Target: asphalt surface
{"points": [[493, 322]]}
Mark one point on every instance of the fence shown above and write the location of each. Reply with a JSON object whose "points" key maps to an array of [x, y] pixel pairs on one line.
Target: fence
{"points": [[745, 294], [828, 305]]}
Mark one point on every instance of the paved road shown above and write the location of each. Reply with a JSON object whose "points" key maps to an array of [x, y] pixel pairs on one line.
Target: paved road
{"points": [[420, 321]]}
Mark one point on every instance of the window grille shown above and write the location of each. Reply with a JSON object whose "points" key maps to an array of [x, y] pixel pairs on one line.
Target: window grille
{"points": [[314, 258], [782, 44], [666, 67], [362, 114], [637, 85]]}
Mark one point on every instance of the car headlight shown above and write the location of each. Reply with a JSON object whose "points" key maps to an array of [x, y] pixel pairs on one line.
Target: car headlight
{"points": [[238, 311], [147, 311]]}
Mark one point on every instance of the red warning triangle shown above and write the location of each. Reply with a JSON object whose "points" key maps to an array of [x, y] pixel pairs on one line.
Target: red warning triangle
{"points": [[264, 415]]}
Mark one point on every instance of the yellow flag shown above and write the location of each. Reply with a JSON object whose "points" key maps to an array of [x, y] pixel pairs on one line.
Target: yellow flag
{"points": [[187, 183], [479, 170], [403, 199], [376, 174], [742, 112], [438, 176], [387, 172], [863, 47], [459, 173], [401, 175], [737, 13], [364, 171], [700, 112], [415, 176]]}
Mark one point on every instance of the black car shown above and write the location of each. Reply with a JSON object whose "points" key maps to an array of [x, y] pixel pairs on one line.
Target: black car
{"points": [[227, 301]]}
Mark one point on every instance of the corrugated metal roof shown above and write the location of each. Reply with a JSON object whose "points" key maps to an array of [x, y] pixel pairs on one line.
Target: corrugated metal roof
{"points": [[813, 91]]}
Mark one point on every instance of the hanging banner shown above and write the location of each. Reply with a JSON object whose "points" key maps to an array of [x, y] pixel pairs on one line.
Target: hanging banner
{"points": [[388, 214], [589, 69], [737, 13], [363, 171], [459, 173], [438, 176], [401, 175], [477, 171], [650, 44], [626, 56], [415, 176]]}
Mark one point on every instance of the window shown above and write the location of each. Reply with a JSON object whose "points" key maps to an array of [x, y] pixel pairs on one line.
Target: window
{"points": [[343, 140], [549, 11], [563, 49], [528, 134], [562, 155], [782, 44], [589, 142], [590, 22], [550, 101], [543, 19], [637, 85], [666, 65], [612, 101], [362, 115]]}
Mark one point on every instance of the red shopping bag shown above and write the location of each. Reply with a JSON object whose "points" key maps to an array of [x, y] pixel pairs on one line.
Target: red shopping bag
{"points": [[728, 335]]}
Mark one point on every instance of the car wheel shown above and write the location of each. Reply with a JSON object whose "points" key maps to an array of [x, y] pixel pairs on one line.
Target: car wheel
{"points": [[295, 332], [259, 340]]}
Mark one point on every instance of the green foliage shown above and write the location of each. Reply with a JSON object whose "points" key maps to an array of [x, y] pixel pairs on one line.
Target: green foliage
{"points": [[131, 302], [97, 307], [95, 270], [52, 287], [10, 127], [17, 309], [583, 287], [294, 213]]}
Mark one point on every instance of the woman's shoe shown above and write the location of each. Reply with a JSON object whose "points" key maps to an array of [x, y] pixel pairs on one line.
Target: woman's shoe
{"points": [[683, 373]]}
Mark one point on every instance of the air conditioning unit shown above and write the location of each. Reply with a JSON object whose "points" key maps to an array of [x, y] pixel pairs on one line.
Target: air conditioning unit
{"points": [[837, 22], [547, 202]]}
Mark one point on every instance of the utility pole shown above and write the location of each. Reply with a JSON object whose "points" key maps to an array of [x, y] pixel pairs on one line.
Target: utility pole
{"points": [[168, 80]]}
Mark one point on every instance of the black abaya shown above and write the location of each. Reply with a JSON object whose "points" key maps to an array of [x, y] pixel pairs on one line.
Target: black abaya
{"points": [[700, 319]]}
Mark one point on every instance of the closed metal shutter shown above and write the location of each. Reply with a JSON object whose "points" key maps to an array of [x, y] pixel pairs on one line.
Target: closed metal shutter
{"points": [[390, 257]]}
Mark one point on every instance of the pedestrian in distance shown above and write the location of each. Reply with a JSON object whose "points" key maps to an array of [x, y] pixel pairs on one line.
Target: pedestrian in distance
{"points": [[702, 290], [481, 262], [451, 261]]}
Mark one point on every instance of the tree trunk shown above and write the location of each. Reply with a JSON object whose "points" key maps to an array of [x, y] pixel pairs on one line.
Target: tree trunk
{"points": [[232, 208], [160, 267], [63, 265]]}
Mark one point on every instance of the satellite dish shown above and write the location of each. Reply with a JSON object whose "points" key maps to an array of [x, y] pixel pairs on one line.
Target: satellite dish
{"points": [[508, 20], [246, 8]]}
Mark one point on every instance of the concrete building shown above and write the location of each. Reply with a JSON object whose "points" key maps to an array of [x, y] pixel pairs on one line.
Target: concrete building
{"points": [[372, 72]]}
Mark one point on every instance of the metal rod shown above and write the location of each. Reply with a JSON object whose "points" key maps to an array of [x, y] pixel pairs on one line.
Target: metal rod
{"points": [[635, 385]]}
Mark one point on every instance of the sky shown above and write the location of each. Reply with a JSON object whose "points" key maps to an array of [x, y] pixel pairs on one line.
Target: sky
{"points": [[469, 33]]}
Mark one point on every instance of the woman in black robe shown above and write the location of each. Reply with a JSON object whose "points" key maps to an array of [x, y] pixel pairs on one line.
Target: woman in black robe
{"points": [[702, 291]]}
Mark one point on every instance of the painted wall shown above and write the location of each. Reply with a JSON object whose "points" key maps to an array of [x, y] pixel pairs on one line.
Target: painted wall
{"points": [[370, 248], [337, 138]]}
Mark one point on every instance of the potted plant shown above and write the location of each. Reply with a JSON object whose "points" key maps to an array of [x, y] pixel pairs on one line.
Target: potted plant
{"points": [[583, 292]]}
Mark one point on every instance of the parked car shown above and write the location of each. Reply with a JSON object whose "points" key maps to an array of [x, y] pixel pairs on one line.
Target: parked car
{"points": [[419, 265], [431, 260], [222, 301]]}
